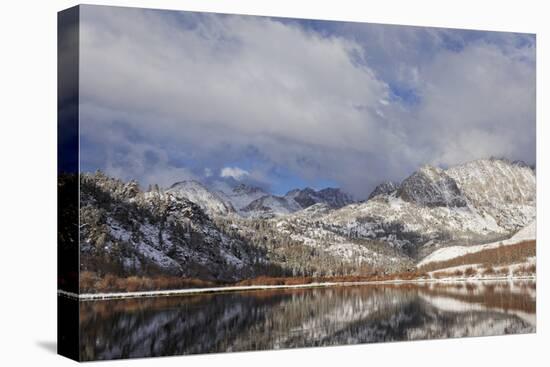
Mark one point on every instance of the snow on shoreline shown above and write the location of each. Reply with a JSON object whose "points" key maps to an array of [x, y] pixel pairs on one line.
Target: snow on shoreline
{"points": [[193, 291], [448, 253]]}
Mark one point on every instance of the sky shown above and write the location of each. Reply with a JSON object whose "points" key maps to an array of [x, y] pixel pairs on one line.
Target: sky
{"points": [[281, 103]]}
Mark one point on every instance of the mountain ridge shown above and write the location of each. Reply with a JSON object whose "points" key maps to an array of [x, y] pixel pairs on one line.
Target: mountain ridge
{"points": [[324, 232]]}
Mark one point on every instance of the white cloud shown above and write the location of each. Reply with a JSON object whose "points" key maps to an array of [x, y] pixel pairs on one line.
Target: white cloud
{"points": [[477, 103], [211, 87], [234, 172], [242, 76]]}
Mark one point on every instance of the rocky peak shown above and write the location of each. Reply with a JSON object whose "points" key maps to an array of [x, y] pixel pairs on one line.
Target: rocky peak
{"points": [[245, 189], [431, 186], [384, 188], [307, 197], [335, 198]]}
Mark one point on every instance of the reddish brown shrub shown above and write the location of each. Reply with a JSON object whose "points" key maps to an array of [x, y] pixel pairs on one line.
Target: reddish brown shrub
{"points": [[470, 272]]}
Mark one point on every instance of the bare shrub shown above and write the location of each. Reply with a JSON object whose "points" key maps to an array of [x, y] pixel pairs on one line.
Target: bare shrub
{"points": [[88, 280], [108, 282], [526, 269], [91, 283], [132, 283]]}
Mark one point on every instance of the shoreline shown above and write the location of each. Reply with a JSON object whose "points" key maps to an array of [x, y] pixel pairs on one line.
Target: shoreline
{"points": [[244, 288]]}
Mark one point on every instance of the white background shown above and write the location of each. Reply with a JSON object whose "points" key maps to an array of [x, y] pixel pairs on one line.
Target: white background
{"points": [[28, 181]]}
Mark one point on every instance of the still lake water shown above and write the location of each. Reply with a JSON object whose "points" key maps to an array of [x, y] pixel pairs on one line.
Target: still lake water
{"points": [[258, 320]]}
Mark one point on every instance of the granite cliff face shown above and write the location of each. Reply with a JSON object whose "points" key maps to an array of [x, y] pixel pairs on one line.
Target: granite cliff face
{"points": [[501, 189], [431, 186]]}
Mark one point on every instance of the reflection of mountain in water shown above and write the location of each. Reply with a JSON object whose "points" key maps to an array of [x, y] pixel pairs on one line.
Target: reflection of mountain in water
{"points": [[302, 318]]}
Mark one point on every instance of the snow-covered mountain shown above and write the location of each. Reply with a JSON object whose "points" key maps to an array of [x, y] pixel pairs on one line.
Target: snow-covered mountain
{"points": [[271, 205], [211, 202], [197, 231], [126, 231], [241, 195], [478, 202]]}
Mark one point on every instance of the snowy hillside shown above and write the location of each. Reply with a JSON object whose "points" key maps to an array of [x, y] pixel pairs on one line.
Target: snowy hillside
{"points": [[135, 232], [126, 231], [448, 253]]}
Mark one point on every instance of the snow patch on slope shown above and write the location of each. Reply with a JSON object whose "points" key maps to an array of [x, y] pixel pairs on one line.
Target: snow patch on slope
{"points": [[447, 253]]}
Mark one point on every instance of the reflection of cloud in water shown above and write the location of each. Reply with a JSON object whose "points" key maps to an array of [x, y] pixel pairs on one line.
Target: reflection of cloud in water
{"points": [[301, 318]]}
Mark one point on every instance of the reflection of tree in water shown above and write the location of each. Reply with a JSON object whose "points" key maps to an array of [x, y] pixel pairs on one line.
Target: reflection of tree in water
{"points": [[166, 326], [283, 319]]}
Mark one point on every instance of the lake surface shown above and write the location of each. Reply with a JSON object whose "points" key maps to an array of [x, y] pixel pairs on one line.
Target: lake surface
{"points": [[259, 320]]}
